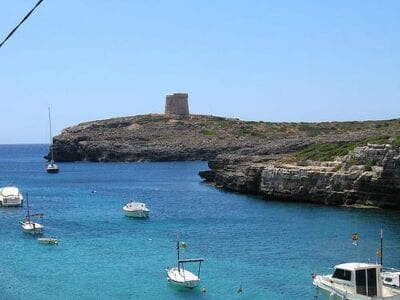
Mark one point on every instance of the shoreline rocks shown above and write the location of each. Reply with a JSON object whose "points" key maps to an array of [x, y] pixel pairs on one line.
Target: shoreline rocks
{"points": [[353, 184]]}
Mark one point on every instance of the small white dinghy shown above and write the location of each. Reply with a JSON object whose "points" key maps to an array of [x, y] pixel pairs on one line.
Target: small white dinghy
{"points": [[179, 276], [48, 240], [136, 210]]}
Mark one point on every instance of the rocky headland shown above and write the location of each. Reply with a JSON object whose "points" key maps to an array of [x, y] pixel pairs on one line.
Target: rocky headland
{"points": [[159, 137], [334, 163], [154, 137]]}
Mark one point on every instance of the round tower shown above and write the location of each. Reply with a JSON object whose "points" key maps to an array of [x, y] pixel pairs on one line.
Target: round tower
{"points": [[177, 104]]}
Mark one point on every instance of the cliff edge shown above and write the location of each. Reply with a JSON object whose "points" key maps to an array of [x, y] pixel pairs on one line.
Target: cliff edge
{"points": [[368, 176]]}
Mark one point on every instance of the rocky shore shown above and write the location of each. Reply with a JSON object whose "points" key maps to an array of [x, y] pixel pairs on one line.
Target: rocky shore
{"points": [[367, 176], [159, 137]]}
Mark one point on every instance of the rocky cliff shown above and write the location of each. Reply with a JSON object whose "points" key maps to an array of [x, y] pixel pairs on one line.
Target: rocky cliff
{"points": [[146, 138], [367, 176], [157, 137], [327, 162]]}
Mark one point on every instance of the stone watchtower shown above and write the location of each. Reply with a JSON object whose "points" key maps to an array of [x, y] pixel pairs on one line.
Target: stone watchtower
{"points": [[177, 104]]}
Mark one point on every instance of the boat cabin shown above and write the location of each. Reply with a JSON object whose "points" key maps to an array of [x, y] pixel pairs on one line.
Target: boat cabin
{"points": [[10, 196], [364, 279]]}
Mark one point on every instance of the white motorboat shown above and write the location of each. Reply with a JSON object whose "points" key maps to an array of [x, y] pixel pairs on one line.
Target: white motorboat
{"points": [[136, 210], [354, 281], [358, 281], [52, 166], [10, 196], [28, 224], [180, 276]]}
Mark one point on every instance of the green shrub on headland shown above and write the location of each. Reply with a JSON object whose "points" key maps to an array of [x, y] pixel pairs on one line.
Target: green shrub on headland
{"points": [[328, 151], [325, 152], [396, 142], [207, 132]]}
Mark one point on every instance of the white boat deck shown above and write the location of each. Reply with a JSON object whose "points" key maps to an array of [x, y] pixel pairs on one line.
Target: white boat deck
{"points": [[32, 227]]}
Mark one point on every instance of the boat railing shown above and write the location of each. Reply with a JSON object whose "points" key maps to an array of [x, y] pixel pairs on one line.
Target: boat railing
{"points": [[181, 262], [190, 260]]}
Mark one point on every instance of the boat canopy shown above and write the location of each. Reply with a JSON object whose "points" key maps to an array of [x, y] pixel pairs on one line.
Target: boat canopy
{"points": [[356, 266], [9, 191]]}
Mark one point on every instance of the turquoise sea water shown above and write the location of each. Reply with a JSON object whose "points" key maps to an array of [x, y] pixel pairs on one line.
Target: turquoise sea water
{"points": [[269, 248]]}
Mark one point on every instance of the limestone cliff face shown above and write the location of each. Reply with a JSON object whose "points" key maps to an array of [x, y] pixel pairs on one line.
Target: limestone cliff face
{"points": [[368, 176]]}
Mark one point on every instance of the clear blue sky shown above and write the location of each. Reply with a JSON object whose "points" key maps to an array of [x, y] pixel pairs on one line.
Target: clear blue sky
{"points": [[251, 59]]}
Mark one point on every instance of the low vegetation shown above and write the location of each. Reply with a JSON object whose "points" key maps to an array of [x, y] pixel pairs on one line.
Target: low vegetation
{"points": [[208, 132], [324, 152], [329, 151]]}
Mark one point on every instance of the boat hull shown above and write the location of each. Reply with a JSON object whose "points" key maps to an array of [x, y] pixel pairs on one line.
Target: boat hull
{"points": [[12, 203], [49, 241], [182, 278], [136, 210], [32, 227], [137, 214], [325, 292], [52, 169]]}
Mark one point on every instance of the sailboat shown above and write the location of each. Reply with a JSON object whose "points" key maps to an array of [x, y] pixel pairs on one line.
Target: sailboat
{"points": [[181, 277], [51, 167], [28, 225]]}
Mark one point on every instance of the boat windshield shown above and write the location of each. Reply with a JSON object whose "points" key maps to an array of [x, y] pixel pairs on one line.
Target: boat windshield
{"points": [[342, 274]]}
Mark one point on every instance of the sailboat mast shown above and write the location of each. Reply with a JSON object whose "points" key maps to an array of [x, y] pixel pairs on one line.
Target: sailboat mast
{"points": [[381, 256], [51, 138], [27, 204], [177, 248]]}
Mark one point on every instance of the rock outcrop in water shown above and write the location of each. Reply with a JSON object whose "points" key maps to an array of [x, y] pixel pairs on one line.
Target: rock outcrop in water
{"points": [[367, 176]]}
